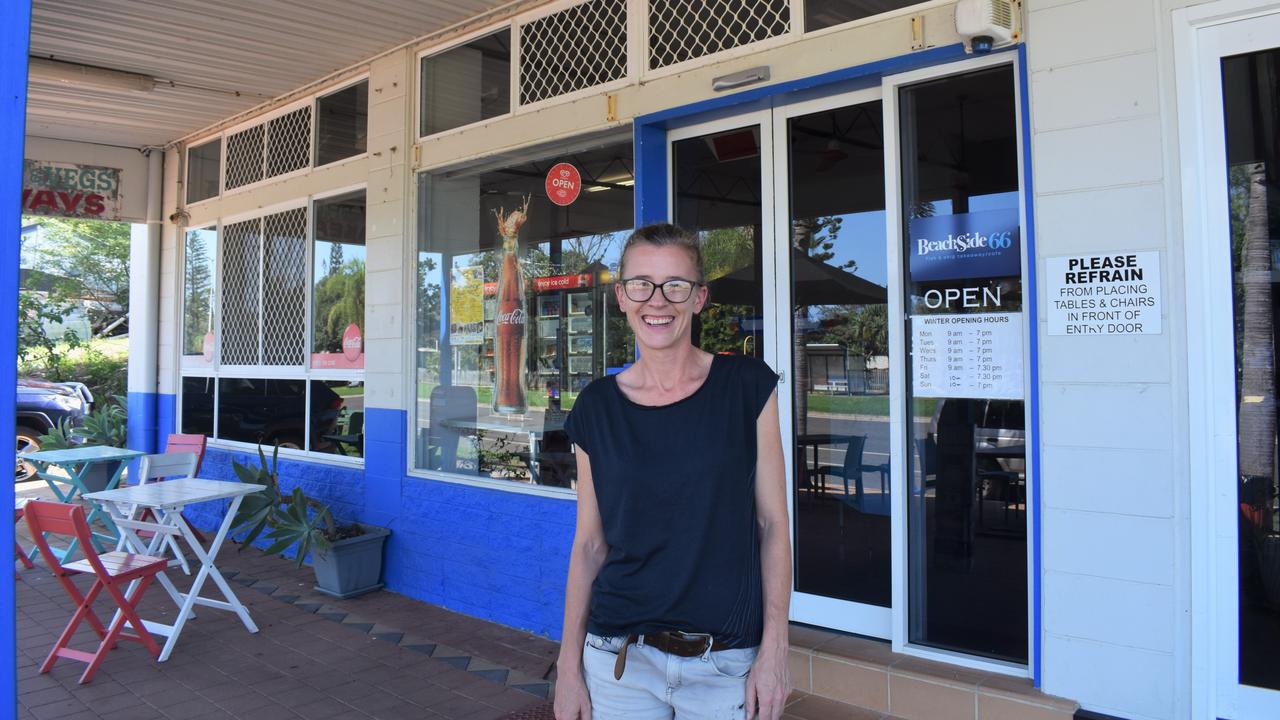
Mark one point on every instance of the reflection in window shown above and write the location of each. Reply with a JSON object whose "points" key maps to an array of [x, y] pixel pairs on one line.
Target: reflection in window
{"points": [[841, 355], [337, 417], [267, 411], [337, 311], [717, 195], [203, 166], [467, 84], [1251, 103], [199, 258], [515, 312], [197, 405], [820, 14], [342, 123], [967, 499]]}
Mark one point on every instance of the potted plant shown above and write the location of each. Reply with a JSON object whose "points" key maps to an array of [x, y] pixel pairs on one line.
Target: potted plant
{"points": [[347, 558], [107, 425]]}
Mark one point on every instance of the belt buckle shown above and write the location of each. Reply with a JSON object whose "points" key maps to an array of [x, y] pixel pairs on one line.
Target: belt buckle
{"points": [[704, 638]]}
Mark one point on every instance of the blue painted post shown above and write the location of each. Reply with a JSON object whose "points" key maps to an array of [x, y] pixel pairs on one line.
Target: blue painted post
{"points": [[15, 15]]}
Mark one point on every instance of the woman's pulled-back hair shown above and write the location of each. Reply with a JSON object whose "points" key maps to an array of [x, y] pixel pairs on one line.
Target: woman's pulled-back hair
{"points": [[665, 235]]}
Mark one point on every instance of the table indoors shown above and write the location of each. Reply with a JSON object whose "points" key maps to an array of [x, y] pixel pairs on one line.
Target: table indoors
{"points": [[78, 463], [166, 501]]}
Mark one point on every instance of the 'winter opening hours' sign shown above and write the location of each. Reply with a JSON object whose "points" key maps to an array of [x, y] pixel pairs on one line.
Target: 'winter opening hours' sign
{"points": [[976, 355], [1112, 294]]}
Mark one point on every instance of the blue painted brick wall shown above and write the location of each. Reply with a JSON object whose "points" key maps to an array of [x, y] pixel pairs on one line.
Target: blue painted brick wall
{"points": [[492, 554], [341, 487]]}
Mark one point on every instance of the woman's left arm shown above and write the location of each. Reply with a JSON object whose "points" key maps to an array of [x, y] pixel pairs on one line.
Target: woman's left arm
{"points": [[770, 681]]}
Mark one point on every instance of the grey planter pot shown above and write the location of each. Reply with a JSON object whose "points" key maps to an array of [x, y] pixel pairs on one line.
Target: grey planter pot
{"points": [[352, 566]]}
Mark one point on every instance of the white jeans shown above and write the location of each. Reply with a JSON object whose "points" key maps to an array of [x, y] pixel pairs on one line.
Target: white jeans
{"points": [[658, 686]]}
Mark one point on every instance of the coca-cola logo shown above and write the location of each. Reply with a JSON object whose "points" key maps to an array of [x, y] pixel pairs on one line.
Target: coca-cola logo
{"points": [[515, 317], [352, 342]]}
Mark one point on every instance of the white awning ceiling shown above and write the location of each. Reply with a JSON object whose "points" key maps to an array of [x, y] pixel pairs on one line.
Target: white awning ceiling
{"points": [[222, 56]]}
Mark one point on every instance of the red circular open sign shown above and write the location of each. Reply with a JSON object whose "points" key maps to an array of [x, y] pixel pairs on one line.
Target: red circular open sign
{"points": [[564, 183]]}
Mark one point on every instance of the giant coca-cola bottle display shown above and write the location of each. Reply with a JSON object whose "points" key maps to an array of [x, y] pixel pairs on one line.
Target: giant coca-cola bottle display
{"points": [[509, 333]]}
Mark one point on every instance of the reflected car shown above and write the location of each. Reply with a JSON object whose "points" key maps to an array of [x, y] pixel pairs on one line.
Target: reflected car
{"points": [[40, 406]]}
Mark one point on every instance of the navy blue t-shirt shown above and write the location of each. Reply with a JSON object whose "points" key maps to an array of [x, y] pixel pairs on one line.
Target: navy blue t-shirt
{"points": [[676, 489]]}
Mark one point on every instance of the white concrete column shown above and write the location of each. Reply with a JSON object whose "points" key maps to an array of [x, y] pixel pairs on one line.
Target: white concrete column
{"points": [[144, 315]]}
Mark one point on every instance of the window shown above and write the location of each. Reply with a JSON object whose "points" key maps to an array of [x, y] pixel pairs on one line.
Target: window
{"points": [[198, 282], [509, 329], [819, 14], [681, 31], [337, 312], [204, 165], [467, 84], [576, 48], [265, 386], [342, 124], [264, 282], [967, 514]]}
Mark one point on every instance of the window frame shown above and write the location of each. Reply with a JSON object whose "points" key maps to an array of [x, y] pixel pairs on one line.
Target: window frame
{"points": [[315, 123], [195, 362], [461, 41], [186, 164], [921, 6], [304, 373]]}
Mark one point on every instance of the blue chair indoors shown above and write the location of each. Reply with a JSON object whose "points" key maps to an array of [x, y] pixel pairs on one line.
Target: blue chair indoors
{"points": [[853, 468]]}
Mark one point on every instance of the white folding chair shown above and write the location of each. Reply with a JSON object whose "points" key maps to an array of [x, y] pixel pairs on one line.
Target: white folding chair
{"points": [[167, 466]]}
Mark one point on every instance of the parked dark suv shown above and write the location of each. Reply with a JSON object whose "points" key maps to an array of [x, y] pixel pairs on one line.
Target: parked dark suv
{"points": [[41, 405]]}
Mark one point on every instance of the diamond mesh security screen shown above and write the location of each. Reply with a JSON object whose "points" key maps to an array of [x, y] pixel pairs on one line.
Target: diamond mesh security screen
{"points": [[289, 142], [244, 157], [681, 30], [576, 48], [284, 287], [241, 267]]}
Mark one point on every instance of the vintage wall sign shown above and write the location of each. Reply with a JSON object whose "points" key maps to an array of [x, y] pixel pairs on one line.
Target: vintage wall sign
{"points": [[1104, 294], [70, 190], [983, 244]]}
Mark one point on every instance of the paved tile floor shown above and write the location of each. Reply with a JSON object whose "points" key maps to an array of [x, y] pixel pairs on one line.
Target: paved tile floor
{"points": [[379, 656]]}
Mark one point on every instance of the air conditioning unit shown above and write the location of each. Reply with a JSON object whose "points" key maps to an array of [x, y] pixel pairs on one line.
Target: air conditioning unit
{"points": [[985, 24]]}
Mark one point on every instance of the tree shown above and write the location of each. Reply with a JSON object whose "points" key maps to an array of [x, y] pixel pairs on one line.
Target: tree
{"points": [[198, 281], [36, 312], [339, 302], [1256, 410], [93, 257]]}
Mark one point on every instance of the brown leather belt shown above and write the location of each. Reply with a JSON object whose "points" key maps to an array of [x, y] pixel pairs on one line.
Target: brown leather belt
{"points": [[671, 642]]}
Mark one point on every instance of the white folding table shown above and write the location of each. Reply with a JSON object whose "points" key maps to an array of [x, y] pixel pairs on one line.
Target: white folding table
{"points": [[166, 500]]}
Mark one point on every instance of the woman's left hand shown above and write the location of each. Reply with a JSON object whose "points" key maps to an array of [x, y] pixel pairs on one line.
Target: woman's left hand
{"points": [[768, 684]]}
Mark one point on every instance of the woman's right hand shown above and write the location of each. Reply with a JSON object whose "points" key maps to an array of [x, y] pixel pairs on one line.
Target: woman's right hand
{"points": [[572, 700]]}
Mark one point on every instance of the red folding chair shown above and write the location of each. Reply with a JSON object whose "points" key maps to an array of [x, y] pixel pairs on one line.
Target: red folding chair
{"points": [[112, 572]]}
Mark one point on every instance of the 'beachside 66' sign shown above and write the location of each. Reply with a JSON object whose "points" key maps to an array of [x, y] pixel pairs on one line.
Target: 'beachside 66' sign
{"points": [[70, 190], [969, 245]]}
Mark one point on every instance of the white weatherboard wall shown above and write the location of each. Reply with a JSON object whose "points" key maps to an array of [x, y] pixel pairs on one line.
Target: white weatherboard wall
{"points": [[1116, 629]]}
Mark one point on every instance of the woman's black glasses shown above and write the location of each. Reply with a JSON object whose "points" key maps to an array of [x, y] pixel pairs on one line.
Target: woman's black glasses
{"points": [[675, 291]]}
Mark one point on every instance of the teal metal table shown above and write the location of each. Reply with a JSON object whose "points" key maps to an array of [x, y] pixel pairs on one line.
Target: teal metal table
{"points": [[77, 464]]}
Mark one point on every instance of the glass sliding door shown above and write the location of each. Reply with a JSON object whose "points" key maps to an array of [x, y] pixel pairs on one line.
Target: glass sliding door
{"points": [[833, 280], [966, 448]]}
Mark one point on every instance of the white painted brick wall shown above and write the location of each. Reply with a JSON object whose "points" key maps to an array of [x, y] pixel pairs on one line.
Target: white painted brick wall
{"points": [[385, 283]]}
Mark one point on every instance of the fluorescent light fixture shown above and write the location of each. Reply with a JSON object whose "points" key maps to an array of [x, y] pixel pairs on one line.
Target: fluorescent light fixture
{"points": [[88, 76], [623, 181]]}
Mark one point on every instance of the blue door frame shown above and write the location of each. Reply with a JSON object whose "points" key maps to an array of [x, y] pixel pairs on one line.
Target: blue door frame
{"points": [[652, 192]]}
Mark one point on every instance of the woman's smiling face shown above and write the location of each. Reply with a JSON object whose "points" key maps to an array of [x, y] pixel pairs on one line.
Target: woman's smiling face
{"points": [[659, 323]]}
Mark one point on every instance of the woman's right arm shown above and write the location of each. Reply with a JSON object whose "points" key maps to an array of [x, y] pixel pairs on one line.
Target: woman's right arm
{"points": [[589, 549]]}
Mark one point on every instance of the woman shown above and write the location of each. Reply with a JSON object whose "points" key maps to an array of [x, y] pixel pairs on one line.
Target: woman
{"points": [[680, 574]]}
